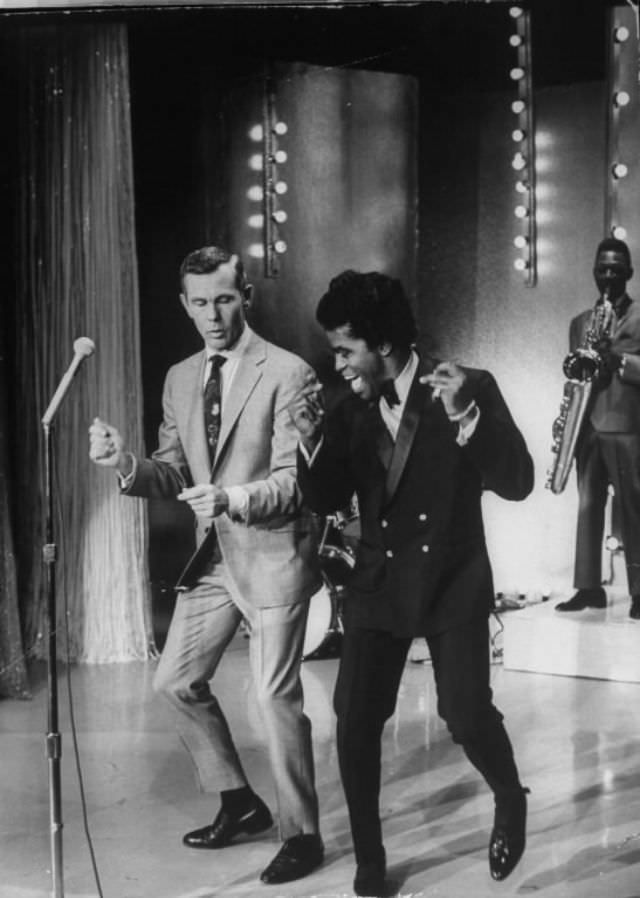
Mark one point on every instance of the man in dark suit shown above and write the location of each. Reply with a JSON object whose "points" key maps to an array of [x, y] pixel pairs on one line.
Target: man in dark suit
{"points": [[417, 443], [608, 449], [227, 447]]}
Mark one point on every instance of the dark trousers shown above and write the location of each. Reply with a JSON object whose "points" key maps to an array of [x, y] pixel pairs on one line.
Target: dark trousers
{"points": [[605, 458], [371, 667]]}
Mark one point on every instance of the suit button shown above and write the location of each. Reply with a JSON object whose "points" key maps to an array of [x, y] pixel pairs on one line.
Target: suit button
{"points": [[425, 548], [384, 523], [207, 529], [389, 553], [422, 517]]}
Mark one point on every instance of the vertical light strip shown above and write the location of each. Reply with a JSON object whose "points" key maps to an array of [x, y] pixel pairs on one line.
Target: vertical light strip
{"points": [[622, 91], [523, 136], [274, 188]]}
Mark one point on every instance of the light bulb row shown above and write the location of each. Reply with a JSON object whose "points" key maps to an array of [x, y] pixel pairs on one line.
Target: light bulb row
{"points": [[523, 162], [268, 193], [620, 99]]}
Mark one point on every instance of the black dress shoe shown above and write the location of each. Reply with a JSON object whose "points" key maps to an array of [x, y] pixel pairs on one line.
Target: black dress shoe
{"points": [[634, 610], [584, 598], [508, 836], [226, 827], [298, 857], [371, 880]]}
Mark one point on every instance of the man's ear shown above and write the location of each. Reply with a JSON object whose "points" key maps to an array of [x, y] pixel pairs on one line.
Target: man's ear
{"points": [[385, 349], [248, 295], [184, 301]]}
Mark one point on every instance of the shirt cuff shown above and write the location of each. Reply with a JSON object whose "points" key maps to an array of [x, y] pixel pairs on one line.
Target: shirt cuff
{"points": [[125, 482], [466, 431], [238, 503], [305, 454]]}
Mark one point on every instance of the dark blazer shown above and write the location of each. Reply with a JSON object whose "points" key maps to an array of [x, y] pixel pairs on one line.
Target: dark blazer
{"points": [[421, 564], [615, 406]]}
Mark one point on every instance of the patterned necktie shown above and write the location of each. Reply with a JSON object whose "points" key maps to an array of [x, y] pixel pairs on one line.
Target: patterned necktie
{"points": [[212, 404]]}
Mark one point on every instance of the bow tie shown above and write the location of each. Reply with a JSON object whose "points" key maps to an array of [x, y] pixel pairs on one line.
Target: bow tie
{"points": [[389, 394]]}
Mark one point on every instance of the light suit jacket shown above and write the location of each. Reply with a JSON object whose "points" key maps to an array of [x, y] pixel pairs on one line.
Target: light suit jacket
{"points": [[272, 556]]}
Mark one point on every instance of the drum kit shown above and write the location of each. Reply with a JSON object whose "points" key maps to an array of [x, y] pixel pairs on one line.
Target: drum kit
{"points": [[336, 551]]}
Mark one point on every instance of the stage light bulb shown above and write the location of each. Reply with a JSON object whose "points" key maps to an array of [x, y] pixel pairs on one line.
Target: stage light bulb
{"points": [[256, 162], [520, 264], [255, 221], [256, 133], [281, 187], [612, 543], [520, 242], [280, 216], [618, 232], [256, 251], [516, 74], [281, 157], [515, 40], [515, 12], [620, 170], [522, 187], [280, 246], [518, 162], [280, 128], [621, 98], [621, 34], [255, 193], [518, 106], [518, 135], [520, 211]]}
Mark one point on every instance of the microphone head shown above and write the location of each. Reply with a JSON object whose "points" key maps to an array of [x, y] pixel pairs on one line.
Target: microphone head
{"points": [[84, 346]]}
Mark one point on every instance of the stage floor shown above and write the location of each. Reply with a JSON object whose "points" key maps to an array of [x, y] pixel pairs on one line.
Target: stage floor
{"points": [[577, 741]]}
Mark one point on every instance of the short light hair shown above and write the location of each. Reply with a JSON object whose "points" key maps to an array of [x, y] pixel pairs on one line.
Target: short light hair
{"points": [[208, 259]]}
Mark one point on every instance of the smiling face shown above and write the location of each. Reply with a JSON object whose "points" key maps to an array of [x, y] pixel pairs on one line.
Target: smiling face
{"points": [[363, 368], [216, 306]]}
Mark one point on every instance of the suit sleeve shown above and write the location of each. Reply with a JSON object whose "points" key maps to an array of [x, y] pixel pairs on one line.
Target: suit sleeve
{"points": [[497, 447], [166, 473], [329, 483]]}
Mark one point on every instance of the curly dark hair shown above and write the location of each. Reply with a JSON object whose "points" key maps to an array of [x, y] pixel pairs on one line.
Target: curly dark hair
{"points": [[373, 305]]}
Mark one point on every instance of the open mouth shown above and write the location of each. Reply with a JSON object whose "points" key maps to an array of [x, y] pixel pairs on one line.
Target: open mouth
{"points": [[356, 383]]}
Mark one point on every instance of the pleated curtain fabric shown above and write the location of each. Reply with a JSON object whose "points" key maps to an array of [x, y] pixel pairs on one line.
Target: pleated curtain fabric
{"points": [[79, 277]]}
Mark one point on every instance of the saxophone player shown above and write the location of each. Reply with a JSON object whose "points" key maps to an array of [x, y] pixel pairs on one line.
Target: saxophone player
{"points": [[608, 447]]}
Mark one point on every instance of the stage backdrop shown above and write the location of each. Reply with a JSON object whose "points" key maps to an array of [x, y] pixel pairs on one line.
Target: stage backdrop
{"points": [[78, 277]]}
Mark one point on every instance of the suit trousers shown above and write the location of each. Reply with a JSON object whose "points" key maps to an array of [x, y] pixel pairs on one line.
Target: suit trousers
{"points": [[366, 690], [204, 622], [605, 458]]}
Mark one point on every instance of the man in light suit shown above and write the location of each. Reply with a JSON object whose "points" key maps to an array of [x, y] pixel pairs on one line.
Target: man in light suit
{"points": [[418, 443], [227, 447], [608, 450]]}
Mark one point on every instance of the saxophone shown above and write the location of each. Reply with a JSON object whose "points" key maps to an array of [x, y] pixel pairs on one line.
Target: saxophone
{"points": [[581, 368]]}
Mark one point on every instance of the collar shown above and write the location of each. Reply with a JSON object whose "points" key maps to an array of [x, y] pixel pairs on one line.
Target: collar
{"points": [[403, 381]]}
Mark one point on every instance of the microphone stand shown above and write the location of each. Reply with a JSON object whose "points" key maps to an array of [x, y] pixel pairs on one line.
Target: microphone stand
{"points": [[53, 740], [83, 347]]}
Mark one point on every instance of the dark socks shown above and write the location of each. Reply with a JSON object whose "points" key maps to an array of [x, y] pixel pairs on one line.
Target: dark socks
{"points": [[238, 801]]}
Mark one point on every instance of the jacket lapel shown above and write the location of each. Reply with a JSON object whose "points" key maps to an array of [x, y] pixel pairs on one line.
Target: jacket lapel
{"points": [[418, 400], [246, 377], [196, 438]]}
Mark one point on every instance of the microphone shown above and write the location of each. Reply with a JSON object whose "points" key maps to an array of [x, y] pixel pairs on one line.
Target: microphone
{"points": [[83, 347]]}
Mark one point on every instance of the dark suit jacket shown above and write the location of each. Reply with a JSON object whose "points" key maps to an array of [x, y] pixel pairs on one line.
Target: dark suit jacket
{"points": [[422, 564], [615, 407]]}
